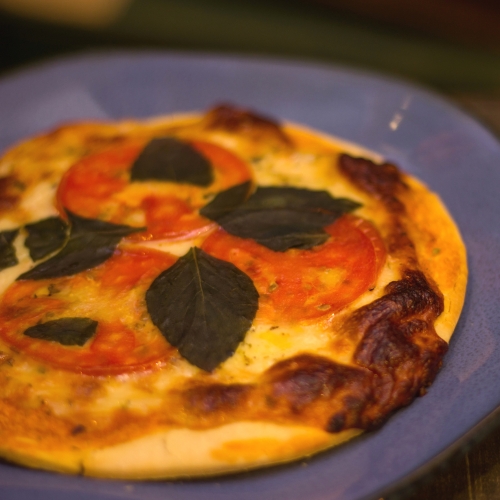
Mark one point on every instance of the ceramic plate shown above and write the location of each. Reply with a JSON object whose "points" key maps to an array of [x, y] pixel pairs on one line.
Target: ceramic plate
{"points": [[419, 131]]}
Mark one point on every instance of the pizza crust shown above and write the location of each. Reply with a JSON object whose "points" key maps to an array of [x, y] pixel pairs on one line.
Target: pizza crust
{"points": [[441, 252], [229, 448], [169, 454]]}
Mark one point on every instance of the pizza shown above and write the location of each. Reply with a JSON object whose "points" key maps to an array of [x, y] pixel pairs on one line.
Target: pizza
{"points": [[212, 292]]}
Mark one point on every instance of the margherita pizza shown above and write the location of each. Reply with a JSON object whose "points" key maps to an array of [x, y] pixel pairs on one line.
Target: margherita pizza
{"points": [[202, 294]]}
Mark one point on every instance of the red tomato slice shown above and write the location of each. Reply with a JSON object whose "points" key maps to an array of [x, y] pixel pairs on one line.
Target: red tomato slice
{"points": [[99, 187], [87, 188], [111, 294], [299, 285]]}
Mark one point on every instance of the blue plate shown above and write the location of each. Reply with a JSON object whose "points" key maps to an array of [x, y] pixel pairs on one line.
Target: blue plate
{"points": [[421, 132]]}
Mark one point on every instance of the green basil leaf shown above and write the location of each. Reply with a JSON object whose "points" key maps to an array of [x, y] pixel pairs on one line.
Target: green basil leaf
{"points": [[203, 306], [226, 201], [280, 218], [66, 331], [91, 242], [45, 237], [8, 256], [168, 159]]}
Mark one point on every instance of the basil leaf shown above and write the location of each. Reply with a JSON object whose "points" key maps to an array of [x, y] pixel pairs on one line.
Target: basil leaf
{"points": [[45, 237], [226, 201], [8, 256], [280, 218], [168, 159], [203, 306], [91, 242], [66, 331]]}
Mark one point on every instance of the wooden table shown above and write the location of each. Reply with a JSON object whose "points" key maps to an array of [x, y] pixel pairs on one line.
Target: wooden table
{"points": [[473, 475]]}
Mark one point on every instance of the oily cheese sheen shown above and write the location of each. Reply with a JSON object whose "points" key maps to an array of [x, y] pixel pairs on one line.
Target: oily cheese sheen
{"points": [[208, 293]]}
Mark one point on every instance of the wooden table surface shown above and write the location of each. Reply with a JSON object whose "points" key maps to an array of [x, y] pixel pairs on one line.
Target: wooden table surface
{"points": [[474, 475]]}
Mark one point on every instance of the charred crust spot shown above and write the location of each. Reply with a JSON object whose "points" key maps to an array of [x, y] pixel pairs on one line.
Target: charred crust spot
{"points": [[386, 347], [336, 422], [306, 379], [10, 192], [88, 388], [216, 397], [78, 429], [350, 414], [97, 140], [406, 298], [233, 119], [303, 379], [5, 358], [392, 325], [399, 242], [414, 295], [399, 344], [383, 181]]}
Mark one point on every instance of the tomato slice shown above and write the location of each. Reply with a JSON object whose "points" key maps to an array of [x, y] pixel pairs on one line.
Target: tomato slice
{"points": [[300, 285], [99, 187], [111, 294], [89, 186]]}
